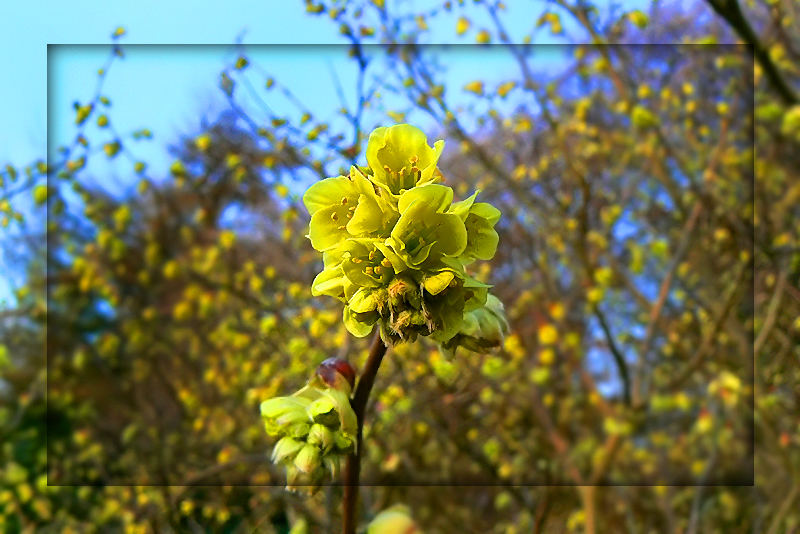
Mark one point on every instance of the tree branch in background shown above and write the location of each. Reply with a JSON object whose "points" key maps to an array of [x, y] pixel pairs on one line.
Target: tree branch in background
{"points": [[731, 12]]}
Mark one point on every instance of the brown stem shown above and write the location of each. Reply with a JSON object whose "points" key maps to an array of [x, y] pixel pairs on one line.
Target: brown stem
{"points": [[588, 495], [353, 466]]}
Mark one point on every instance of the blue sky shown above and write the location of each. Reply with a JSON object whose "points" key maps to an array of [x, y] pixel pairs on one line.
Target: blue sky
{"points": [[169, 89], [27, 27]]}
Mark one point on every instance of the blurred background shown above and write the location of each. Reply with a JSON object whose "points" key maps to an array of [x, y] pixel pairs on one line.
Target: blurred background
{"points": [[157, 277]]}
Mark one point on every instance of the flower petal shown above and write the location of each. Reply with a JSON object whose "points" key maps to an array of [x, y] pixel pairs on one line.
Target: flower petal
{"points": [[420, 233], [367, 217], [327, 192], [482, 238], [462, 208], [365, 300], [437, 283], [327, 227], [436, 196], [329, 282], [359, 324]]}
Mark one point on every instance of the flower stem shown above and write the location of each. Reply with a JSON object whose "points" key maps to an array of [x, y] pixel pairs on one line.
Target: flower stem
{"points": [[353, 466]]}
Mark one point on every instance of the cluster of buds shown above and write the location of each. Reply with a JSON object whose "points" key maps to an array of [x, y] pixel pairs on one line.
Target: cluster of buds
{"points": [[396, 246], [316, 426]]}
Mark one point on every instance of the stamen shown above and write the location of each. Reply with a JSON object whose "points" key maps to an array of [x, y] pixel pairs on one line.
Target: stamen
{"points": [[343, 227], [334, 217], [368, 270], [386, 263], [377, 269], [413, 159], [344, 201], [371, 255], [356, 260]]}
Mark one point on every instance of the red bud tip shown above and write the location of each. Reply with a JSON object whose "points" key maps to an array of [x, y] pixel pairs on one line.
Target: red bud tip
{"points": [[328, 370]]}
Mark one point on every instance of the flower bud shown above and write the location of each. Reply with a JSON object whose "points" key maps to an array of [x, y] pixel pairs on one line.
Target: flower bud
{"points": [[307, 460], [285, 448], [345, 443], [338, 374], [282, 413], [333, 464], [323, 411], [394, 520], [317, 426], [321, 436], [483, 328]]}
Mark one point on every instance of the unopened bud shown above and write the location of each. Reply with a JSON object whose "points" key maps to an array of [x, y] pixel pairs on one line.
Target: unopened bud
{"points": [[307, 460], [320, 435], [336, 372], [394, 520], [285, 448]]}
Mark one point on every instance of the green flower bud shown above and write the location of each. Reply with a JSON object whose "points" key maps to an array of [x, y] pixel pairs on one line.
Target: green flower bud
{"points": [[317, 426], [333, 463], [308, 458], [282, 413], [321, 436], [394, 520], [286, 448], [345, 442], [404, 290], [483, 328], [297, 430]]}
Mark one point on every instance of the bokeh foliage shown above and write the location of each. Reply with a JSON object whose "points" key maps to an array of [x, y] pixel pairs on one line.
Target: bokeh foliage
{"points": [[648, 263]]}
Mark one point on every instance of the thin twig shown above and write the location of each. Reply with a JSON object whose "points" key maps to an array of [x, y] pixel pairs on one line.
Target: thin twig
{"points": [[772, 313]]}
